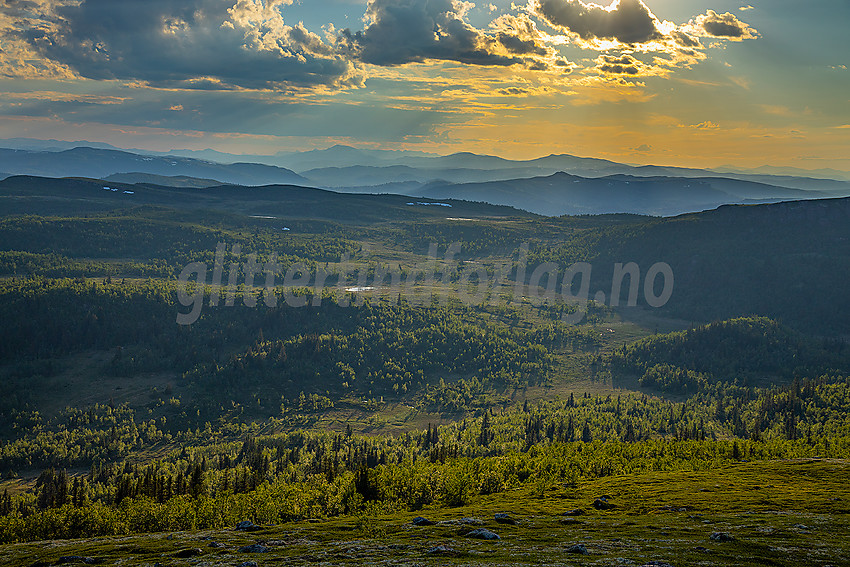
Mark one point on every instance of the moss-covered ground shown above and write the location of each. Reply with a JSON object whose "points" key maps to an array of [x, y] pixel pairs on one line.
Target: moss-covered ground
{"points": [[777, 513]]}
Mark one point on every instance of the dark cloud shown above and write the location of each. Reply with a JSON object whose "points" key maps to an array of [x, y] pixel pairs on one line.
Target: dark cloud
{"points": [[221, 45], [685, 40], [399, 32], [627, 21], [413, 31], [619, 65], [208, 44], [513, 91], [519, 34], [726, 26]]}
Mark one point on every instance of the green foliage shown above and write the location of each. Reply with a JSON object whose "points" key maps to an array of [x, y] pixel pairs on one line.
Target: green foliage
{"points": [[389, 348], [753, 350]]}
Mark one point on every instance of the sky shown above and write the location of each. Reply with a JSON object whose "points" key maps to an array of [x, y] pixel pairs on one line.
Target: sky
{"points": [[699, 83]]}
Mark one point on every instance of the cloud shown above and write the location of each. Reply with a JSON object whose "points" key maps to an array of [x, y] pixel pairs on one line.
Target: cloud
{"points": [[513, 91], [18, 59], [519, 35], [723, 26], [245, 45], [629, 26], [626, 21], [413, 31], [399, 32], [200, 44], [620, 65]]}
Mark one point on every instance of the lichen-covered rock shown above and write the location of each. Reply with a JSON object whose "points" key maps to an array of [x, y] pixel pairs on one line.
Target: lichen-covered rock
{"points": [[483, 533], [721, 536], [247, 526]]}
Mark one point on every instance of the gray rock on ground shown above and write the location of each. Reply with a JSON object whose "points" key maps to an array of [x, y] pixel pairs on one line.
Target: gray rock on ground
{"points": [[483, 533]]}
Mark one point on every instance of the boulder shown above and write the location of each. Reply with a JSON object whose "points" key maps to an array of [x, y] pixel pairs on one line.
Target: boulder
{"points": [[602, 503], [577, 548], [721, 537], [483, 533], [254, 548], [441, 550], [502, 518], [247, 526], [420, 521]]}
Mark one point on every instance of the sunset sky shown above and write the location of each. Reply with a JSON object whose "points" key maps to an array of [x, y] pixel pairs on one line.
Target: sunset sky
{"points": [[678, 82]]}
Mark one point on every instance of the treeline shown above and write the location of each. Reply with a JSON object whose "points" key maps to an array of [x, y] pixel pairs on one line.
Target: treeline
{"points": [[392, 348], [156, 242], [211, 482], [259, 356], [809, 409], [746, 351]]}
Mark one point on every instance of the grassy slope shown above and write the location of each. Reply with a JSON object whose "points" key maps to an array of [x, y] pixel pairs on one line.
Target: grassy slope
{"points": [[780, 513]]}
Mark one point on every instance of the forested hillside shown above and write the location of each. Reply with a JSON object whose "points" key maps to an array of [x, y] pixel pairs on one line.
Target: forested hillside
{"points": [[393, 395]]}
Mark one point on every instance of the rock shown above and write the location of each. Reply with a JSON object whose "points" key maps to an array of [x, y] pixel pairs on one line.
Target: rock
{"points": [[721, 536], [801, 527], [216, 545], [75, 559], [577, 548], [461, 522], [482, 533], [602, 503], [170, 536], [420, 521], [576, 512], [192, 552], [441, 550], [655, 563], [247, 564], [254, 548], [247, 526], [502, 518]]}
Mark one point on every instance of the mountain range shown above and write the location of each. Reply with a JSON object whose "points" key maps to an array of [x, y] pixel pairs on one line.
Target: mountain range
{"points": [[552, 185]]}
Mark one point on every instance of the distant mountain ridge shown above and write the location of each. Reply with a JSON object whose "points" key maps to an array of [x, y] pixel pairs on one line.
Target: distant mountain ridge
{"points": [[552, 185], [564, 194], [99, 163]]}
